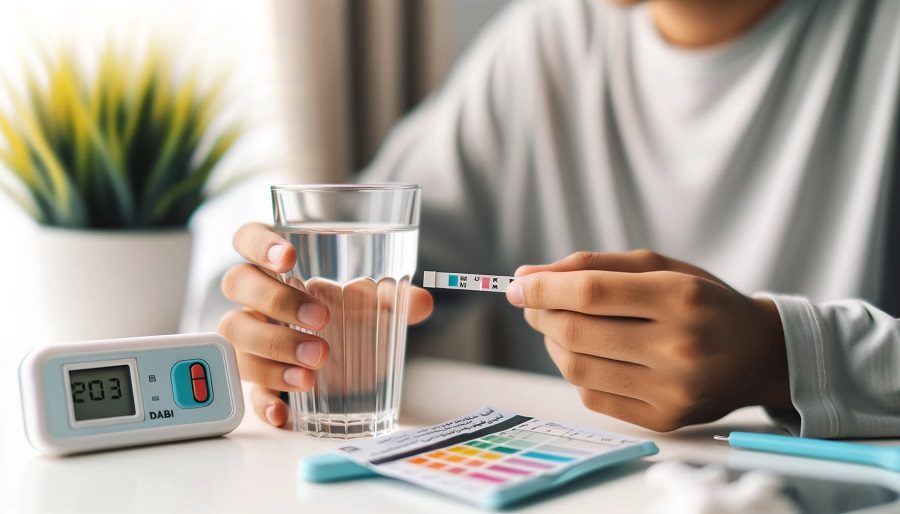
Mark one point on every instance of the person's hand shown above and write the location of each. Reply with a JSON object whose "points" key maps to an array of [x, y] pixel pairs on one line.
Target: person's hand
{"points": [[654, 341], [276, 357]]}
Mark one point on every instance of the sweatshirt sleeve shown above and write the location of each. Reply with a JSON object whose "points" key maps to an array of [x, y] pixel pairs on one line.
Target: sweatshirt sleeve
{"points": [[844, 367]]}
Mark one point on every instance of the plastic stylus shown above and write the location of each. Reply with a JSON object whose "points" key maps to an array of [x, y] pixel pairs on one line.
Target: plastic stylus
{"points": [[887, 457]]}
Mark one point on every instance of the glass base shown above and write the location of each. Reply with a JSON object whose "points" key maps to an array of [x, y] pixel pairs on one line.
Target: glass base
{"points": [[340, 426]]}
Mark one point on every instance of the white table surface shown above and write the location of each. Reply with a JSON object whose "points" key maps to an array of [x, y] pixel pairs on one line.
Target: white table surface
{"points": [[254, 468]]}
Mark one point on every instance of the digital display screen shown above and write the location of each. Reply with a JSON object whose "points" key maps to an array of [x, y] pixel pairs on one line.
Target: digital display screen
{"points": [[99, 393]]}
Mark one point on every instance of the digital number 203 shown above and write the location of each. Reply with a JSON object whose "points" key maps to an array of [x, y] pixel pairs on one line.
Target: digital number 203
{"points": [[95, 390]]}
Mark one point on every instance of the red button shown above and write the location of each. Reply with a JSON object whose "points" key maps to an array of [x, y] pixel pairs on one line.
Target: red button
{"points": [[201, 393], [197, 370]]}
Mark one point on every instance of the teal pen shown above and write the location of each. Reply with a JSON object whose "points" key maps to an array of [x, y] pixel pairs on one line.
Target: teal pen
{"points": [[887, 457]]}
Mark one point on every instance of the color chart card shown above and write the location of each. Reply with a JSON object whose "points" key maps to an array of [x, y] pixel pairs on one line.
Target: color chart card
{"points": [[480, 456]]}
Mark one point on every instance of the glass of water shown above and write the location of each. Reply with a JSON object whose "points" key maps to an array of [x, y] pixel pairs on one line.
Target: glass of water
{"points": [[356, 253]]}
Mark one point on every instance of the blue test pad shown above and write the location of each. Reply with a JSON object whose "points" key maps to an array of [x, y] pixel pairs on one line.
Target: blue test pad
{"points": [[490, 458]]}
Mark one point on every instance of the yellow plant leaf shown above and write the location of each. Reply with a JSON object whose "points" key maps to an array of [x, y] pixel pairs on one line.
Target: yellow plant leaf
{"points": [[183, 102], [38, 140], [208, 104], [17, 155], [144, 79], [78, 120], [115, 77], [71, 141], [162, 94]]}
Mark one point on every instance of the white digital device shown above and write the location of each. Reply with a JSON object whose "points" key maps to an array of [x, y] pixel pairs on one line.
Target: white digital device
{"points": [[97, 395]]}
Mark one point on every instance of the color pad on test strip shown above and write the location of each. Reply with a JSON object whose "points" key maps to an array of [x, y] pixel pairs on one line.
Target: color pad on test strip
{"points": [[466, 281]]}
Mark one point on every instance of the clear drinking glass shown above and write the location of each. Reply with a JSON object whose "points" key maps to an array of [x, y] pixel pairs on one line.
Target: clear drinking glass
{"points": [[356, 252]]}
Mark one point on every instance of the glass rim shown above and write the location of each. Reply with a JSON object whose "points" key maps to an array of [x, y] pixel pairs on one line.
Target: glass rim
{"points": [[345, 187]]}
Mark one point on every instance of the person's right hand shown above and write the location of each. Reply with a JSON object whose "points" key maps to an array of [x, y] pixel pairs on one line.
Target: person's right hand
{"points": [[275, 357]]}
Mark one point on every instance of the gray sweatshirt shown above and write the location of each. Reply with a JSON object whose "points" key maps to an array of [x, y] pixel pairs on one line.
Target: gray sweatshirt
{"points": [[770, 161]]}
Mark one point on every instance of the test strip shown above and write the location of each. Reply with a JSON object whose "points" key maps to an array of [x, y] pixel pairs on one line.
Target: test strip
{"points": [[466, 281]]}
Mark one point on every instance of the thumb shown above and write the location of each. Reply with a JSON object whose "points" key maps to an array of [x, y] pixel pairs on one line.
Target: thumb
{"points": [[420, 305], [268, 406]]}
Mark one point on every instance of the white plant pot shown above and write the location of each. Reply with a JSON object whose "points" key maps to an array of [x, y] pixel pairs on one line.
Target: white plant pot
{"points": [[103, 284]]}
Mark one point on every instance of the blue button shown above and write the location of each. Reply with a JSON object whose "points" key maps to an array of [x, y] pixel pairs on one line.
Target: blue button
{"points": [[191, 384]]}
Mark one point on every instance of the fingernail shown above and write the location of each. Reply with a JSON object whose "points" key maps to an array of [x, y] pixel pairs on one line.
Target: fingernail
{"points": [[293, 377], [270, 413], [275, 253], [309, 353], [514, 295], [312, 314], [520, 270]]}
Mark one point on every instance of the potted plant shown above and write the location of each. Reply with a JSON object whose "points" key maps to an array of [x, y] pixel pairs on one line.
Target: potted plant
{"points": [[111, 164]]}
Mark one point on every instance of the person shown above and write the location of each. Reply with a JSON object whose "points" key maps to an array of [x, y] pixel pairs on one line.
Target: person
{"points": [[723, 176]]}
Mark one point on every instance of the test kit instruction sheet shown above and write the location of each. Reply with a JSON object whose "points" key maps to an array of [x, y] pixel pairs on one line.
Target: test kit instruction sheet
{"points": [[488, 451]]}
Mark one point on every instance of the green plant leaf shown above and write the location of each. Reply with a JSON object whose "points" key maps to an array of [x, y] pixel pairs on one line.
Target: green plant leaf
{"points": [[38, 142], [176, 123], [126, 146], [193, 184]]}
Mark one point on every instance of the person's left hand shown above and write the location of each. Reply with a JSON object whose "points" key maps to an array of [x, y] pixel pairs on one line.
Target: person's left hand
{"points": [[652, 340]]}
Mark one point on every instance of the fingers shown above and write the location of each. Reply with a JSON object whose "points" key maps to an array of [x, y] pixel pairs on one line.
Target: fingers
{"points": [[623, 390], [635, 261], [268, 406], [420, 305], [612, 376], [275, 375], [239, 327], [621, 339], [605, 293], [260, 245], [248, 285], [625, 408], [252, 333]]}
